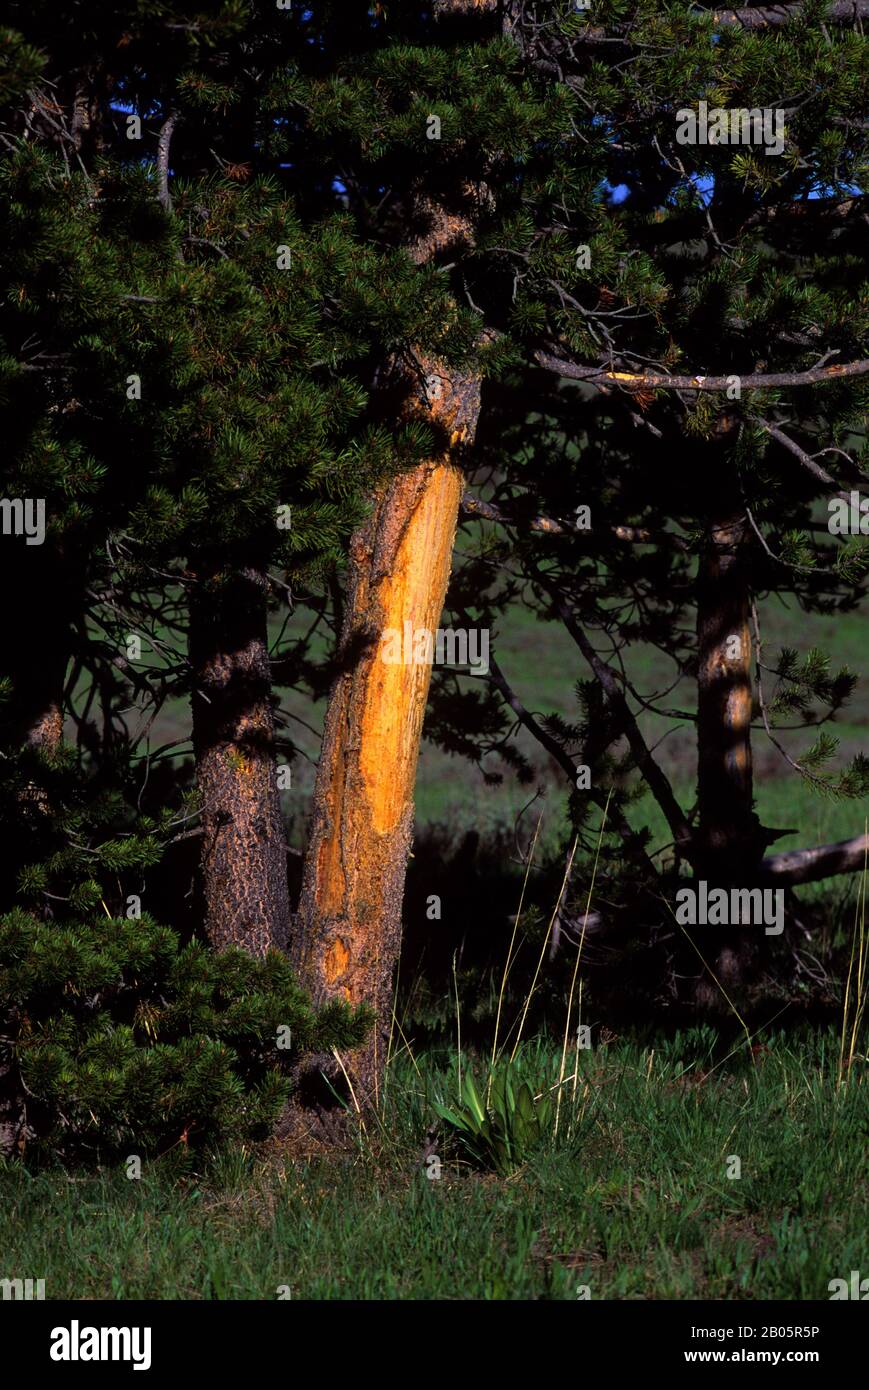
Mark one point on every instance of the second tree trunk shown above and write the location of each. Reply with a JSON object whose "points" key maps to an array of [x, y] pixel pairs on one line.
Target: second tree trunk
{"points": [[244, 854]]}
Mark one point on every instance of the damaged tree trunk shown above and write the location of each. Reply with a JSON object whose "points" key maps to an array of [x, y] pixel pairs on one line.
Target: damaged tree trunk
{"points": [[347, 933], [244, 854]]}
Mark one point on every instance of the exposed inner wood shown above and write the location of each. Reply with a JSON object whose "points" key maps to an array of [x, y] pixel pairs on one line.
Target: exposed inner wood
{"points": [[347, 934]]}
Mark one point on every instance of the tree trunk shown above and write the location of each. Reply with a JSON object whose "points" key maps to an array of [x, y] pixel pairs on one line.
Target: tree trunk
{"points": [[728, 829], [347, 933], [244, 854], [729, 842]]}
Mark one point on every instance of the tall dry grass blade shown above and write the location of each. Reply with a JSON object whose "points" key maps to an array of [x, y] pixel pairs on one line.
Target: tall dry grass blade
{"points": [[576, 972], [510, 957], [458, 1025], [555, 912], [708, 968], [405, 1047], [338, 1059], [858, 948], [392, 1023]]}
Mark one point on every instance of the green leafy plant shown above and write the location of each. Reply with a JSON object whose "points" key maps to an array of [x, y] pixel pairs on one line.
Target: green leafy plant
{"points": [[502, 1131]]}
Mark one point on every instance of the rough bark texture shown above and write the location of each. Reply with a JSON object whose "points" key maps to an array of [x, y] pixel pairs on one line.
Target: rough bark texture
{"points": [[728, 828], [244, 855], [347, 934], [728, 844]]}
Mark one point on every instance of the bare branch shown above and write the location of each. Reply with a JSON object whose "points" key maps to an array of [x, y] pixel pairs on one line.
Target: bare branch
{"points": [[645, 381], [765, 17], [654, 776], [546, 525], [813, 210], [797, 767], [805, 459], [164, 143], [618, 819], [771, 16], [810, 865]]}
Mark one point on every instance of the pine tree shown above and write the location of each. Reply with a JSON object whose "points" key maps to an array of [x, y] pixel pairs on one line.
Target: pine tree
{"points": [[705, 303], [191, 322], [270, 266], [710, 303], [184, 388]]}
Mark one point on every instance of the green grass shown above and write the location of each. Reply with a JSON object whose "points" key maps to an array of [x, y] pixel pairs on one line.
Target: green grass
{"points": [[632, 1200]]}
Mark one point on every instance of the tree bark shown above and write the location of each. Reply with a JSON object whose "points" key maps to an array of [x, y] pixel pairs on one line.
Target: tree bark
{"points": [[244, 854], [347, 933], [811, 865], [729, 840], [728, 829]]}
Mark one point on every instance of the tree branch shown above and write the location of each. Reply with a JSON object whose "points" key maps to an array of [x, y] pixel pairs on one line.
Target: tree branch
{"points": [[654, 776], [619, 821], [771, 16], [813, 210], [765, 17], [644, 381], [810, 865], [805, 459], [546, 525], [164, 143]]}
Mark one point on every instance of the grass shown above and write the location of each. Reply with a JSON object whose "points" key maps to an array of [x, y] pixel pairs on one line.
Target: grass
{"points": [[631, 1200]]}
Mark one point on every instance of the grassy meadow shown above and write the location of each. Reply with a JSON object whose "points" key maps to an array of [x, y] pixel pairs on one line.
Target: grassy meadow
{"points": [[630, 1199]]}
